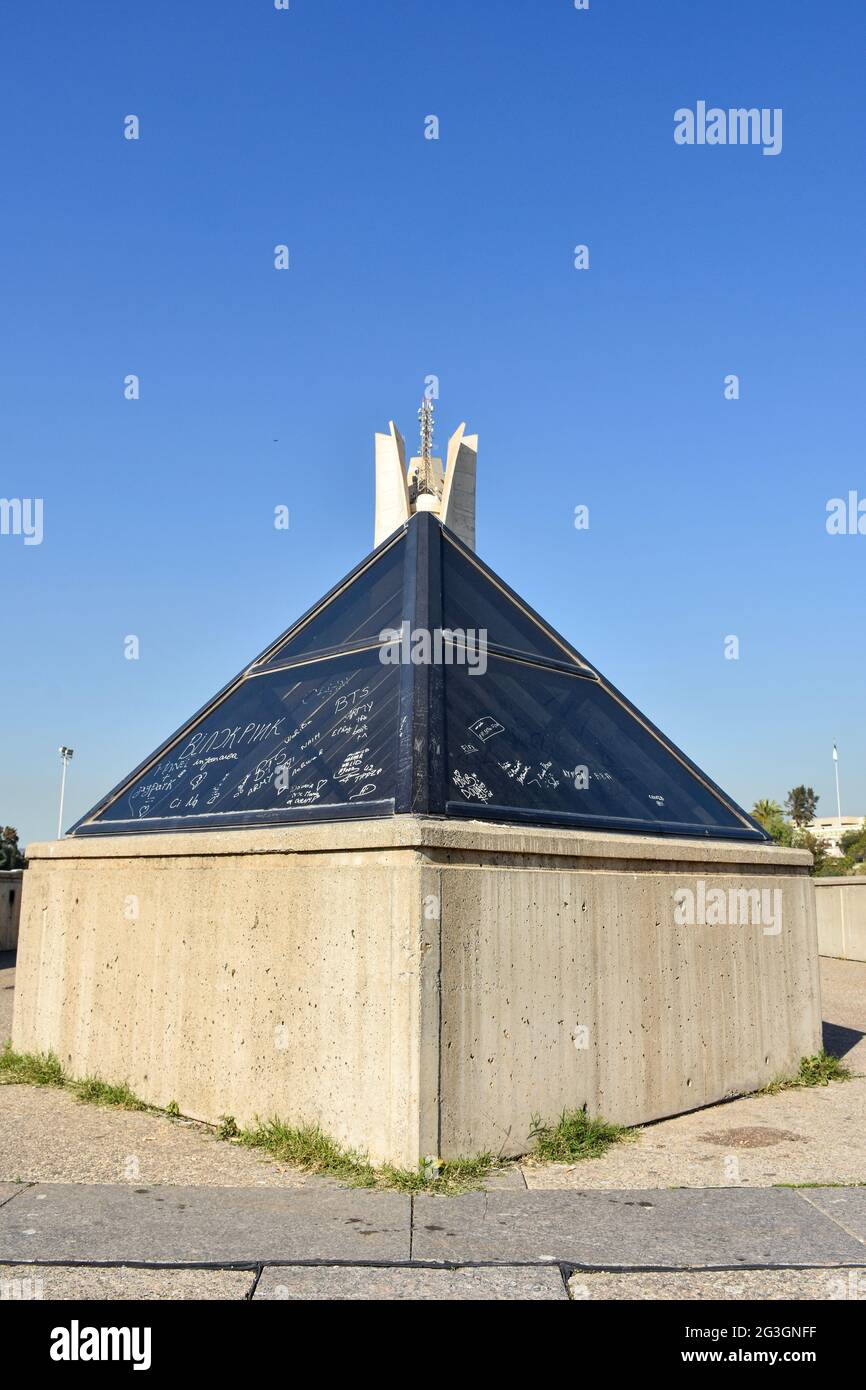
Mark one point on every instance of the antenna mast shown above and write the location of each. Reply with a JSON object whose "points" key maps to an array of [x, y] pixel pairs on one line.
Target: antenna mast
{"points": [[425, 472]]}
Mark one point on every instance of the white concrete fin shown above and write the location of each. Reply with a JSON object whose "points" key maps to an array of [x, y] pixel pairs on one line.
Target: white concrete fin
{"points": [[392, 496], [458, 497]]}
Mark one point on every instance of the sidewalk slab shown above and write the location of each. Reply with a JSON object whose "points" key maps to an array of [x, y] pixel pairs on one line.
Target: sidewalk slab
{"points": [[32, 1283], [8, 1190], [186, 1225], [728, 1285], [644, 1229], [343, 1283], [845, 1205]]}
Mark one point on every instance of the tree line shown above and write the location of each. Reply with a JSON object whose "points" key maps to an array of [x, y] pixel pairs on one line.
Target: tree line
{"points": [[789, 826]]}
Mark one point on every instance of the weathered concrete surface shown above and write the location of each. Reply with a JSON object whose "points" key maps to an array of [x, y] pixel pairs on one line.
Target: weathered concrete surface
{"points": [[250, 984], [56, 1223], [121, 1283], [675, 1017], [841, 912], [395, 1284], [654, 1229], [11, 881], [304, 972], [728, 1285]]}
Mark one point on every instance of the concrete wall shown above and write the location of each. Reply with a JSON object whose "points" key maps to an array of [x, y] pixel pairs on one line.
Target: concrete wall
{"points": [[417, 987], [841, 907], [11, 884]]}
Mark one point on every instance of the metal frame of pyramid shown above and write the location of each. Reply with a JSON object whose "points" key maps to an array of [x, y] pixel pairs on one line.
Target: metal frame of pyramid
{"points": [[295, 684]]}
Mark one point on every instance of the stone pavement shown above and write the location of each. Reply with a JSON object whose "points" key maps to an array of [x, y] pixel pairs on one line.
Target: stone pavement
{"points": [[326, 1242]]}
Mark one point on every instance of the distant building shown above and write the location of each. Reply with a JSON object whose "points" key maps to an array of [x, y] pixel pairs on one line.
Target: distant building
{"points": [[832, 828]]}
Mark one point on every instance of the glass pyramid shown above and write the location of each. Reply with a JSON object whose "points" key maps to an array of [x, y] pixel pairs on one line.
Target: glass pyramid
{"points": [[501, 720]]}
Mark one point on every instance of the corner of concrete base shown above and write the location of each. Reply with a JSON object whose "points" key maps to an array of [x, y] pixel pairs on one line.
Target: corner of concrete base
{"points": [[414, 986]]}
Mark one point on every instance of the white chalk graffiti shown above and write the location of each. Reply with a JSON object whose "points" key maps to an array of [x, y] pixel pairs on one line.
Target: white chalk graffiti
{"points": [[486, 727], [471, 787]]}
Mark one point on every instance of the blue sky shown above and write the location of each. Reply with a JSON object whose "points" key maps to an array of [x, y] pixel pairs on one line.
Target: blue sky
{"points": [[412, 257]]}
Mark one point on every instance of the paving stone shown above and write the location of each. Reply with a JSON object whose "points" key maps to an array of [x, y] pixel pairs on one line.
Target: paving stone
{"points": [[341, 1282], [120, 1283], [182, 1225], [508, 1180], [728, 1285], [651, 1228], [845, 1205]]}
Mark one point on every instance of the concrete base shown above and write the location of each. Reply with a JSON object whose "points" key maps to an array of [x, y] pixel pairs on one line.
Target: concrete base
{"points": [[416, 987], [10, 907], [841, 907]]}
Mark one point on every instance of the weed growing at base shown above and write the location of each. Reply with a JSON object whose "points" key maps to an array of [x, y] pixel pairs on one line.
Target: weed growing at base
{"points": [[576, 1136], [44, 1069], [312, 1151], [813, 1071], [30, 1068]]}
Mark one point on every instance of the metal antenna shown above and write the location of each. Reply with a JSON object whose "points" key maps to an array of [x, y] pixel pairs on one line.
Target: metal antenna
{"points": [[425, 472]]}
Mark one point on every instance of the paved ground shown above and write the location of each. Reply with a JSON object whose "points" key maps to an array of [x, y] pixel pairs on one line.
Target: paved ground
{"points": [[88, 1195], [46, 1135], [70, 1241]]}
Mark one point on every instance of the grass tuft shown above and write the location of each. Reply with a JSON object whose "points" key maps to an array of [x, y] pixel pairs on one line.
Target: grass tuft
{"points": [[96, 1092], [576, 1136], [308, 1148], [813, 1071], [30, 1068], [447, 1176], [44, 1069]]}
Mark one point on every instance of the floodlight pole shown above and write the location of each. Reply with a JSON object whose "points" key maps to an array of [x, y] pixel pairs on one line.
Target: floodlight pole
{"points": [[65, 757], [838, 799]]}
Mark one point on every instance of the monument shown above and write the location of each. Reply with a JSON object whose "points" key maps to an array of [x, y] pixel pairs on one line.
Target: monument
{"points": [[418, 873]]}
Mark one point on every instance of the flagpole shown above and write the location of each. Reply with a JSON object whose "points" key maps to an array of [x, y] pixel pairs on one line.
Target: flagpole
{"points": [[838, 799]]}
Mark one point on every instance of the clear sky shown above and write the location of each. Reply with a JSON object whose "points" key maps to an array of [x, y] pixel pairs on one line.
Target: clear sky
{"points": [[412, 257]]}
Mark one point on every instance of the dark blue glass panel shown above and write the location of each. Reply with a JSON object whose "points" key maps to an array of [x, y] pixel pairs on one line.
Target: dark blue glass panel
{"points": [[325, 735], [372, 602], [521, 736], [471, 600]]}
